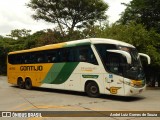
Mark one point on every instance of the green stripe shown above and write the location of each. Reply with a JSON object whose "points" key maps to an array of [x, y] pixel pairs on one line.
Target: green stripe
{"points": [[60, 72], [53, 72], [90, 76]]}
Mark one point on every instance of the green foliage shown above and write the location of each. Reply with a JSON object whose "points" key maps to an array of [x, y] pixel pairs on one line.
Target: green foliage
{"points": [[139, 26], [49, 37], [17, 34], [136, 34], [69, 13], [4, 48], [145, 41], [145, 12]]}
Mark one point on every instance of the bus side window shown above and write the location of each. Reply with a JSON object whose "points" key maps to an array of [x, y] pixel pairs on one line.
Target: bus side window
{"points": [[82, 58], [85, 54], [12, 59], [62, 55], [82, 54], [52, 56], [18, 58], [71, 55], [93, 59], [26, 59], [40, 59], [66, 55]]}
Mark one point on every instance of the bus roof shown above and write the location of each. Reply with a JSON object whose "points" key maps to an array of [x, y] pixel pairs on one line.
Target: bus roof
{"points": [[76, 43]]}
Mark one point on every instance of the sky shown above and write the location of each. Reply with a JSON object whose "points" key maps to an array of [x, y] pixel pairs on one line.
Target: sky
{"points": [[14, 14]]}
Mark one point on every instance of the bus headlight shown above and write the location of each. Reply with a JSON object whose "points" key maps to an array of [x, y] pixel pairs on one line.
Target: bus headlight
{"points": [[136, 83], [132, 84]]}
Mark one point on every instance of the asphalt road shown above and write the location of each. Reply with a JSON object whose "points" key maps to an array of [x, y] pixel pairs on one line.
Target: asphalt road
{"points": [[40, 99]]}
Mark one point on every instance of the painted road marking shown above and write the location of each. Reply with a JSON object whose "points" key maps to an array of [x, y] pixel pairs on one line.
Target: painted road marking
{"points": [[36, 118], [23, 107], [18, 106]]}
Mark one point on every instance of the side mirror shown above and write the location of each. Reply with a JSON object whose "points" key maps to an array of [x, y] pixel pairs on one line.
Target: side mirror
{"points": [[124, 53], [145, 55]]}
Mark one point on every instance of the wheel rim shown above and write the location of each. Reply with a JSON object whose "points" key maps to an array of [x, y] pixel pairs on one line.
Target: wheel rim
{"points": [[93, 89], [27, 83], [20, 83]]}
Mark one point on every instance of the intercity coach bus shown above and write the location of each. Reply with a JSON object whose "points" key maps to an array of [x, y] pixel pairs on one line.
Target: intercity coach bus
{"points": [[94, 65]]}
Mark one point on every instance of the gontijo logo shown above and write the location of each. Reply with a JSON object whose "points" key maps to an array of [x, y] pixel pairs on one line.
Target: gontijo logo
{"points": [[31, 68], [113, 90]]}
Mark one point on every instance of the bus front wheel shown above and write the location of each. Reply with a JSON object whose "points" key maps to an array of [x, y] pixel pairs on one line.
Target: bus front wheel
{"points": [[92, 89], [20, 83], [28, 84]]}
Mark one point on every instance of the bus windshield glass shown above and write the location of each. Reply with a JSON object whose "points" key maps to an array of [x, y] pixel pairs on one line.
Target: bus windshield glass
{"points": [[117, 63], [135, 69]]}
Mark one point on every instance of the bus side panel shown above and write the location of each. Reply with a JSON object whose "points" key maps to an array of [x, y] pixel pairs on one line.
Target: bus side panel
{"points": [[13, 74], [58, 75], [36, 73], [83, 73], [73, 76]]}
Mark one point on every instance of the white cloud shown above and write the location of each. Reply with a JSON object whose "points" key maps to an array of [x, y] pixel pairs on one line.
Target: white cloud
{"points": [[14, 14], [115, 9]]}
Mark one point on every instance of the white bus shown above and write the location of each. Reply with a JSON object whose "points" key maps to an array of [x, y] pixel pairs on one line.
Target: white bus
{"points": [[94, 65]]}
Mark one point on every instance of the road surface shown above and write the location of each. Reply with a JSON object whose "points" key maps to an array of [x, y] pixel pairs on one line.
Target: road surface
{"points": [[40, 99]]}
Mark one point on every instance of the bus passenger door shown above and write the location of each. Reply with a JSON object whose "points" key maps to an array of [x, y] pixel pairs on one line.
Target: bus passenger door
{"points": [[114, 65]]}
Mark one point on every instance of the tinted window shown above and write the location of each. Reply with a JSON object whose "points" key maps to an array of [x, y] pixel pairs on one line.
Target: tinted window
{"points": [[112, 61], [85, 54], [71, 54], [51, 56]]}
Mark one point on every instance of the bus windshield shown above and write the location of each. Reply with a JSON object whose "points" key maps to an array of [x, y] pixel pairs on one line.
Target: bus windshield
{"points": [[117, 64], [135, 69]]}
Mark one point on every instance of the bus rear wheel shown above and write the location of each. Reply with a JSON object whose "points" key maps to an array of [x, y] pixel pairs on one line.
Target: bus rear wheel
{"points": [[20, 83], [92, 89], [28, 84]]}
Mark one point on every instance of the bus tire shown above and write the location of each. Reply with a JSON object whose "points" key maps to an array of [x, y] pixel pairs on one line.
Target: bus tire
{"points": [[20, 83], [92, 89], [28, 84]]}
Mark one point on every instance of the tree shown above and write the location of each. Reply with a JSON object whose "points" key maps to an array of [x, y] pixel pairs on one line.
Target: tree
{"points": [[49, 37], [146, 12], [69, 13], [1, 37], [146, 41], [16, 34]]}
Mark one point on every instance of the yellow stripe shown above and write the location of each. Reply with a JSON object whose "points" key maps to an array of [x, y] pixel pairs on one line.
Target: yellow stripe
{"points": [[18, 106], [36, 118], [52, 46], [36, 76]]}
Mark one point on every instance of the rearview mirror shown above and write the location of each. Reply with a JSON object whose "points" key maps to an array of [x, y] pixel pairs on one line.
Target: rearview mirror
{"points": [[145, 55], [124, 53]]}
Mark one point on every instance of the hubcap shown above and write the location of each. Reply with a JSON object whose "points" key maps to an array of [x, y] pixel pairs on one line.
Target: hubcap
{"points": [[93, 89]]}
